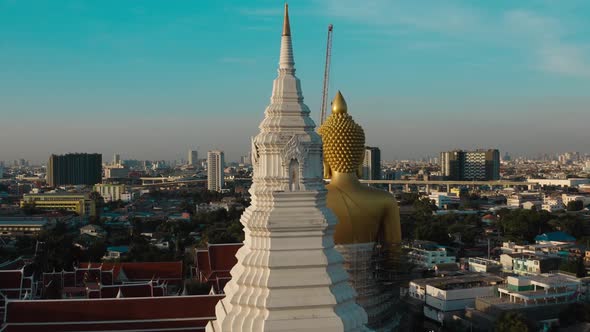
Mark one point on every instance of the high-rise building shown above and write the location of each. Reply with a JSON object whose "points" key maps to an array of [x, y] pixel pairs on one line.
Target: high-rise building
{"points": [[470, 165], [74, 169], [246, 160], [193, 157], [116, 172], [372, 164], [116, 159], [451, 164], [215, 166], [288, 275]]}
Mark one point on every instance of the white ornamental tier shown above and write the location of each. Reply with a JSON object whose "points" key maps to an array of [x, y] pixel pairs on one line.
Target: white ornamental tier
{"points": [[288, 276]]}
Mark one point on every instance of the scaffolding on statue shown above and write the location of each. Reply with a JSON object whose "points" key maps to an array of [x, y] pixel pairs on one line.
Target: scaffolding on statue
{"points": [[376, 273]]}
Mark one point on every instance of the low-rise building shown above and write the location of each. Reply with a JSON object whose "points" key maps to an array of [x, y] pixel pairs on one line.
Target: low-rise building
{"points": [[540, 298], [446, 296], [430, 255], [555, 238], [22, 226], [478, 264], [519, 200], [93, 230], [528, 264], [570, 198], [116, 252], [552, 204], [113, 192], [571, 182], [79, 203], [444, 200]]}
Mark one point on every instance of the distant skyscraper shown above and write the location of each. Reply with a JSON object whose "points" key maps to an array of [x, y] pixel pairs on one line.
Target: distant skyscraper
{"points": [[245, 159], [74, 169], [470, 165], [215, 166], [372, 164], [193, 157], [116, 159]]}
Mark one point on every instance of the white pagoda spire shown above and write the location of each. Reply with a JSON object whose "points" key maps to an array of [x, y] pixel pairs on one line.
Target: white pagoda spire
{"points": [[288, 276]]}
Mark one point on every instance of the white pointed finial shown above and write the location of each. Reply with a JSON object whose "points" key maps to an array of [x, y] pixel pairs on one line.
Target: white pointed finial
{"points": [[286, 60]]}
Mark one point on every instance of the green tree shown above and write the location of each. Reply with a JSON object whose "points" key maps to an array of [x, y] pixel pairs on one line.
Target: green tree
{"points": [[512, 321], [94, 252], [423, 209], [523, 225], [575, 313], [433, 231], [408, 198], [575, 205], [56, 249]]}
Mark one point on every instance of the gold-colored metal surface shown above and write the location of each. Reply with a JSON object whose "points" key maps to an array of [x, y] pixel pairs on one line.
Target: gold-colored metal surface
{"points": [[364, 214], [286, 25]]}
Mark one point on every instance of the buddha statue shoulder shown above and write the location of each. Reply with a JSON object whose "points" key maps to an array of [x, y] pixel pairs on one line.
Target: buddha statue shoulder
{"points": [[365, 214]]}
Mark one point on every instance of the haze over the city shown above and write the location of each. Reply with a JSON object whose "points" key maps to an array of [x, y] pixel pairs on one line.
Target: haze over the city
{"points": [[151, 79]]}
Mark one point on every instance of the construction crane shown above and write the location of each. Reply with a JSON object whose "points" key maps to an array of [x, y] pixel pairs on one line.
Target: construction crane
{"points": [[326, 75]]}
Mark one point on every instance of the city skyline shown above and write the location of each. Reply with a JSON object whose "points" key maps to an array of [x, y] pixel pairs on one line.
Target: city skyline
{"points": [[150, 81]]}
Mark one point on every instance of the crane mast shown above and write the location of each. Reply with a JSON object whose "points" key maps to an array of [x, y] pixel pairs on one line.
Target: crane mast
{"points": [[326, 75]]}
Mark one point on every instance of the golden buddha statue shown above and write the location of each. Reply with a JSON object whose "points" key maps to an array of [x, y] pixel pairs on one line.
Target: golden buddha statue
{"points": [[365, 214], [368, 232]]}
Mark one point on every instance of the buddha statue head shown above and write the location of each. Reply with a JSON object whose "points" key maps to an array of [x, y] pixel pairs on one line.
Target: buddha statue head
{"points": [[343, 141]]}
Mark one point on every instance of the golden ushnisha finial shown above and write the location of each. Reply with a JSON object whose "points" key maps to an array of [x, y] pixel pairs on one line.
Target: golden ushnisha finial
{"points": [[339, 104], [286, 25]]}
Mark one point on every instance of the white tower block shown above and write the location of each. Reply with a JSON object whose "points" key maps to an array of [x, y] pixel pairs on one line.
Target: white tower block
{"points": [[288, 276]]}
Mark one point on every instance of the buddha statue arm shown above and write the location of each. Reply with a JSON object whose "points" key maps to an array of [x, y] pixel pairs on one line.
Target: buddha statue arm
{"points": [[392, 232]]}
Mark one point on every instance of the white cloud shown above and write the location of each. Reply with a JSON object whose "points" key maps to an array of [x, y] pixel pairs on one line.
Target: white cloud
{"points": [[540, 39], [546, 38], [564, 59]]}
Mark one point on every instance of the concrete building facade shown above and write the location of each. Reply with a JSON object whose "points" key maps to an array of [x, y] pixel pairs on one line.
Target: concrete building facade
{"points": [[113, 192], [74, 169], [193, 157], [215, 170], [479, 165], [372, 164], [79, 203]]}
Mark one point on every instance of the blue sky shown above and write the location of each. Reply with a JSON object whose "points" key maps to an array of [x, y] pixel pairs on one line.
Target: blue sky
{"points": [[150, 79]]}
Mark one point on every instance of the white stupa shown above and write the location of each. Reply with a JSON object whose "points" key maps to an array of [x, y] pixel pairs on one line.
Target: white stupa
{"points": [[288, 276]]}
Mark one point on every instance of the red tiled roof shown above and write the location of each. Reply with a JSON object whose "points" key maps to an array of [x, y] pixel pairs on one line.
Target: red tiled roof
{"points": [[141, 270], [16, 264], [127, 290], [202, 263], [69, 279], [213, 265], [189, 313], [222, 257], [10, 279]]}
